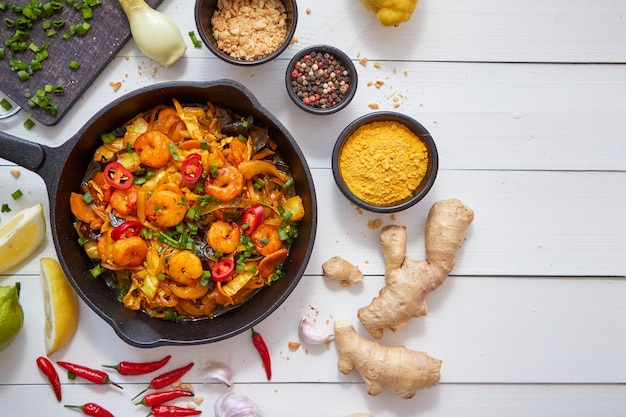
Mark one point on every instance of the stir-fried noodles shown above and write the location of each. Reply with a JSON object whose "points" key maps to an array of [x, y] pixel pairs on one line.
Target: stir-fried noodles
{"points": [[187, 211]]}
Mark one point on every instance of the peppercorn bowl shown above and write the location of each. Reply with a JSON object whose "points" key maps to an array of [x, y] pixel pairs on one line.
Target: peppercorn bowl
{"points": [[246, 32], [385, 162], [321, 79]]}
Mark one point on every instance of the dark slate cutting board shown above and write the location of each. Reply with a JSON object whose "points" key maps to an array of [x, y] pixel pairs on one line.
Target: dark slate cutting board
{"points": [[108, 34]]}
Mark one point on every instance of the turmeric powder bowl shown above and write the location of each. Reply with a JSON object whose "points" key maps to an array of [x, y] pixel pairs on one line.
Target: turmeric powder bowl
{"points": [[385, 162]]}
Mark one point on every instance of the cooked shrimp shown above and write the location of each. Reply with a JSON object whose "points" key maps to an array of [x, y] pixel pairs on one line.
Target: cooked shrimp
{"points": [[166, 208], [153, 148], [185, 268], [225, 185], [265, 239], [124, 202], [129, 252], [190, 292], [169, 123], [223, 237], [238, 151]]}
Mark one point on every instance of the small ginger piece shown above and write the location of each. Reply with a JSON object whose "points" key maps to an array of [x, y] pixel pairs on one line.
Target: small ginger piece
{"points": [[338, 269], [408, 282], [398, 368]]}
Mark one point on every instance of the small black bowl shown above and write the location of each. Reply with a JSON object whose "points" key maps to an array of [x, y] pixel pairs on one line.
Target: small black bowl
{"points": [[345, 97], [423, 187], [204, 12]]}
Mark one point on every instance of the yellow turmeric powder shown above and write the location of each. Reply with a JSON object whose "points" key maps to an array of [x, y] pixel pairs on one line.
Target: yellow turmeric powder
{"points": [[383, 162]]}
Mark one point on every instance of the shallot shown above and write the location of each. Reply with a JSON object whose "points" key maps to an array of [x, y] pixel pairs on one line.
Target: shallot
{"points": [[311, 334], [236, 405], [217, 371]]}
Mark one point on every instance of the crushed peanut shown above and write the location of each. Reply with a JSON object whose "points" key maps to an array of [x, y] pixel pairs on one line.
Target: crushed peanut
{"points": [[115, 85], [363, 61], [16, 172], [294, 345], [249, 29], [373, 106]]}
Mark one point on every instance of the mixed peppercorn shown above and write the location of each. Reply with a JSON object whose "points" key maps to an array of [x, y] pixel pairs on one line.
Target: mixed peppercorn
{"points": [[320, 80]]}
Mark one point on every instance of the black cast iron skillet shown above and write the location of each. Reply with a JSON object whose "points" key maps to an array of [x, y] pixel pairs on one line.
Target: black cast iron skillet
{"points": [[62, 169]]}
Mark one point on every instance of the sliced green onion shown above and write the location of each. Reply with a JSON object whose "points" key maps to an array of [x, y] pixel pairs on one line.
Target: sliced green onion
{"points": [[74, 65], [29, 124], [108, 137], [16, 194], [5, 104], [194, 39]]}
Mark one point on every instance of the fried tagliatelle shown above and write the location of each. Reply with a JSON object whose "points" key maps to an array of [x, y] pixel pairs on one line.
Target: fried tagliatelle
{"points": [[187, 211]]}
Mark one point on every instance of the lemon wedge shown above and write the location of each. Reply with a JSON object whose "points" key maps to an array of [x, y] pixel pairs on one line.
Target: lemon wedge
{"points": [[21, 236], [60, 305]]}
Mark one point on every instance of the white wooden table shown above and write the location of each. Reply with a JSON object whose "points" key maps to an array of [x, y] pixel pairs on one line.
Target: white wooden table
{"points": [[527, 104]]}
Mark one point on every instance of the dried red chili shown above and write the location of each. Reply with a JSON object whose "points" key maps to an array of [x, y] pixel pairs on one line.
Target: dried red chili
{"points": [[251, 219], [127, 229], [173, 411], [223, 270], [48, 370], [92, 409], [138, 368], [167, 378], [117, 175], [93, 375], [192, 168], [261, 347], [158, 398]]}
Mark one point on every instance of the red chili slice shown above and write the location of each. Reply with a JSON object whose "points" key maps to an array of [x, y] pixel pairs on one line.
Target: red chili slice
{"points": [[118, 176], [252, 217], [192, 168], [127, 229], [223, 270]]}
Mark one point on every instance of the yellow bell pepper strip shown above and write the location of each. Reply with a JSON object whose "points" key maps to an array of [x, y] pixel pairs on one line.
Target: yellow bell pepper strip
{"points": [[391, 12]]}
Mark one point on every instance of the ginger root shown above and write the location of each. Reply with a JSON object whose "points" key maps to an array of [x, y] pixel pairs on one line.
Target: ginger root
{"points": [[338, 269], [395, 367], [408, 282]]}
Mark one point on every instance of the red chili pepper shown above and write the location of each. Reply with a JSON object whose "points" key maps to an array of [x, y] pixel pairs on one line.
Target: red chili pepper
{"points": [[223, 270], [261, 347], [251, 219], [192, 168], [158, 398], [92, 409], [138, 368], [173, 411], [117, 175], [167, 378], [46, 367], [127, 229], [93, 375]]}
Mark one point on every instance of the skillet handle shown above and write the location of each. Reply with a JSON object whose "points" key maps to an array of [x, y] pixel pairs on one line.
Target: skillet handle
{"points": [[28, 154]]}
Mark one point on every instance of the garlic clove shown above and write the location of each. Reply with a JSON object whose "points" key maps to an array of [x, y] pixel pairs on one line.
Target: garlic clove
{"points": [[155, 34], [213, 371], [236, 405], [311, 334]]}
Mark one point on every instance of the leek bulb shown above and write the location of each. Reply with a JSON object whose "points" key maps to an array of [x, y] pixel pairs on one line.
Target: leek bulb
{"points": [[155, 34]]}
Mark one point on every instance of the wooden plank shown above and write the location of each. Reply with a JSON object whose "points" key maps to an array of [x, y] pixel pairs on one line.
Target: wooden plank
{"points": [[463, 400], [497, 330], [527, 222], [482, 116]]}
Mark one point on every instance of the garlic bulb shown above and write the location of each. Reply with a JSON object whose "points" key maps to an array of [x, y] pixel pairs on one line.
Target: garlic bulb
{"points": [[155, 34], [236, 405], [217, 371], [311, 334]]}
